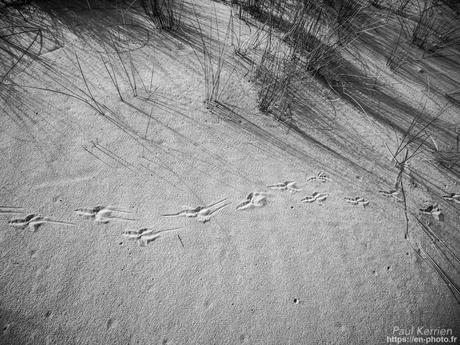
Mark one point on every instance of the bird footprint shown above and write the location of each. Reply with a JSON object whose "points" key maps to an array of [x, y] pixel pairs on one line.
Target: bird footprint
{"points": [[202, 214], [286, 185], [103, 214], [434, 210], [452, 197], [254, 199], [205, 214], [316, 196], [321, 177], [34, 221], [357, 201], [145, 236], [392, 193]]}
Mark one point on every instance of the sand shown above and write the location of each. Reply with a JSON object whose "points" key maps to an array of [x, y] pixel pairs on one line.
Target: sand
{"points": [[279, 271]]}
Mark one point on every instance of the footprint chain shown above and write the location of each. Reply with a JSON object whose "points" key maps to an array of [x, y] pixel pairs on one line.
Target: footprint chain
{"points": [[203, 213]]}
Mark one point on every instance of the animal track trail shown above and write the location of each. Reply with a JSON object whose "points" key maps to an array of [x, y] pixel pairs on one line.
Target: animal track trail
{"points": [[205, 214], [315, 197], [253, 199], [319, 177], [392, 193], [21, 222], [34, 222], [357, 201], [434, 211], [452, 197], [202, 214], [190, 211], [103, 214], [289, 186], [145, 236]]}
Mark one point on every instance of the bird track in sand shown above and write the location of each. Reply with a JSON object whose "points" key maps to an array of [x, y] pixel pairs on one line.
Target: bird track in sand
{"points": [[145, 236], [434, 211], [452, 197], [289, 186], [253, 199], [320, 176], [392, 193], [201, 213], [103, 214], [357, 201], [315, 197], [34, 221]]}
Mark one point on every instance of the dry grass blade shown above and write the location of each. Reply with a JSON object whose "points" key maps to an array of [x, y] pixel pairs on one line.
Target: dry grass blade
{"points": [[213, 66]]}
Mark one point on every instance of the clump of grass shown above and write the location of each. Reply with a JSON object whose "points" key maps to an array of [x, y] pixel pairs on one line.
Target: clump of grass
{"points": [[212, 59], [275, 73], [13, 48], [396, 58], [376, 3], [448, 34], [165, 13], [348, 10], [253, 7], [400, 7], [425, 26], [312, 42]]}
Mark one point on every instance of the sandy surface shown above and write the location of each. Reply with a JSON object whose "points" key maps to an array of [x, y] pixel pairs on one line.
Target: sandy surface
{"points": [[289, 272]]}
